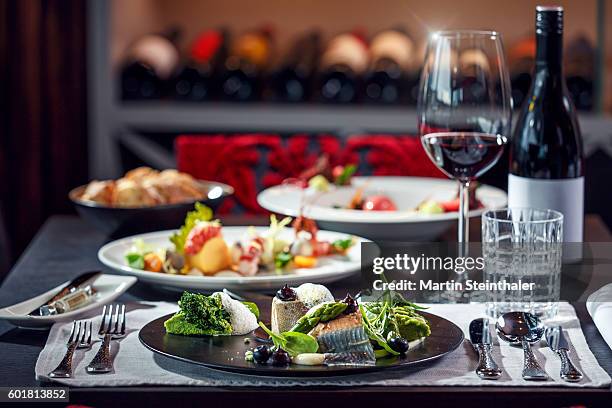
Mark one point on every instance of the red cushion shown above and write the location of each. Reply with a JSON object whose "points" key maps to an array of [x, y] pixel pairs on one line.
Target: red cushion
{"points": [[389, 155], [252, 162]]}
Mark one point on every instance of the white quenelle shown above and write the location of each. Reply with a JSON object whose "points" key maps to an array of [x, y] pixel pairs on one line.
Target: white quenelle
{"points": [[243, 321]]}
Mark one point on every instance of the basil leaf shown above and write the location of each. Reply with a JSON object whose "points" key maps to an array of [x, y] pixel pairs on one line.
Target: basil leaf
{"points": [[253, 308], [293, 343], [299, 343]]}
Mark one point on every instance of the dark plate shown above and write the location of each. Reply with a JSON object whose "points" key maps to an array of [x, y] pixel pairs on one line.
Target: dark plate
{"points": [[119, 222], [227, 352]]}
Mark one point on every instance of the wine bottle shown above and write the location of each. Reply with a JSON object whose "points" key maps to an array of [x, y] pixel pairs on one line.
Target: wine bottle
{"points": [[521, 60], [391, 56], [149, 64], [246, 65], [198, 75], [292, 82], [579, 68], [342, 64], [546, 155]]}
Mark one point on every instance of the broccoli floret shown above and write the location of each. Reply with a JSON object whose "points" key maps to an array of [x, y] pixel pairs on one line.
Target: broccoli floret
{"points": [[202, 312]]}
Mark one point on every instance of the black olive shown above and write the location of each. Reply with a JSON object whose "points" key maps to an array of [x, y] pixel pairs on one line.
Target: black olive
{"points": [[280, 357], [261, 354], [352, 305], [399, 344], [286, 294]]}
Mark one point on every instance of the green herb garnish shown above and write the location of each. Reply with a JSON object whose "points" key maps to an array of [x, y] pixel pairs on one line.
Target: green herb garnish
{"points": [[282, 259], [135, 261], [292, 342], [346, 174], [341, 245], [201, 213], [253, 308]]}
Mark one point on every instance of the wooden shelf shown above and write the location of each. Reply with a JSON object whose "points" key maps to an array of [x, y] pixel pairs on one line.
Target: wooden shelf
{"points": [[256, 117]]}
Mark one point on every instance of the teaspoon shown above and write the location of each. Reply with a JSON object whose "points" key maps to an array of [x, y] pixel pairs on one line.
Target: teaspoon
{"points": [[523, 328]]}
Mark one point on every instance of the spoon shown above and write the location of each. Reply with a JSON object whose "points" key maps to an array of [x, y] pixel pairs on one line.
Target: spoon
{"points": [[523, 328]]}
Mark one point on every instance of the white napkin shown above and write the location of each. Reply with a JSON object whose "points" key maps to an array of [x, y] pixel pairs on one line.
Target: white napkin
{"points": [[136, 365], [599, 305]]}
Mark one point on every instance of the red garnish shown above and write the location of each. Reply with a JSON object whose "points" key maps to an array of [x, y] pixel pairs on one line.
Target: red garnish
{"points": [[450, 206], [378, 203], [198, 236]]}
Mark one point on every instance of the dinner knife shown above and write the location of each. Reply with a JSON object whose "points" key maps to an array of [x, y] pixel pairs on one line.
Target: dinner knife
{"points": [[482, 340], [80, 281], [558, 343]]}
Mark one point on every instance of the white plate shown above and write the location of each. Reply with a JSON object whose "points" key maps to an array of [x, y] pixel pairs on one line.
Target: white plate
{"points": [[329, 268], [108, 287], [403, 224]]}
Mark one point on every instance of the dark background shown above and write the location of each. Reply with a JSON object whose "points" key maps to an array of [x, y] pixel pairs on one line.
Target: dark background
{"points": [[43, 121]]}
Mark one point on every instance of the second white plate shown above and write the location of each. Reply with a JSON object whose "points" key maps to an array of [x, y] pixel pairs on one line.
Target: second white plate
{"points": [[402, 225]]}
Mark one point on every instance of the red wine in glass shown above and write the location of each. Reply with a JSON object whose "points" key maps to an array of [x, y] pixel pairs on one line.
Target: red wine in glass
{"points": [[464, 156]]}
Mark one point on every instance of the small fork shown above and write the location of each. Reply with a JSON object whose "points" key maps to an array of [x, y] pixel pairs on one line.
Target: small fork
{"points": [[112, 326], [80, 337]]}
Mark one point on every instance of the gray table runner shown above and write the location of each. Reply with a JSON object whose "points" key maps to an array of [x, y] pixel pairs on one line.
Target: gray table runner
{"points": [[136, 365]]}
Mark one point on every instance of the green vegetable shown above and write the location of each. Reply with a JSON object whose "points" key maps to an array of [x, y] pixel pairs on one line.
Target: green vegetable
{"points": [[342, 245], [201, 213], [282, 259], [248, 355], [292, 342], [346, 174], [324, 313], [135, 261], [253, 308], [199, 315]]}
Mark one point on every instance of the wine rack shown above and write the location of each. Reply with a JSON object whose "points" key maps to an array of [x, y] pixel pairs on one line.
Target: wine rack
{"points": [[113, 121]]}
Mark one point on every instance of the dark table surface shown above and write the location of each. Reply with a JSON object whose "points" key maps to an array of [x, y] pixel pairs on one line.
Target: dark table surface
{"points": [[66, 246]]}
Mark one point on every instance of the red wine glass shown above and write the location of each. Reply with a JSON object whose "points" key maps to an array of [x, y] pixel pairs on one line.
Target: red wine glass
{"points": [[464, 109]]}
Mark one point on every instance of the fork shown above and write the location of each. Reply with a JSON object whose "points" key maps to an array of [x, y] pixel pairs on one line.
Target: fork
{"points": [[77, 339], [111, 327]]}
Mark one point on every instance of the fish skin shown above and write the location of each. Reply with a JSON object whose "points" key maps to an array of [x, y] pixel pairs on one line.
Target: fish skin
{"points": [[344, 341]]}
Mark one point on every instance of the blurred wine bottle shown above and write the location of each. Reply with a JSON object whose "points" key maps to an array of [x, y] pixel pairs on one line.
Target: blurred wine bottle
{"points": [[391, 58], [578, 66], [246, 65], [149, 63], [342, 64], [202, 68], [521, 60], [292, 82], [579, 72]]}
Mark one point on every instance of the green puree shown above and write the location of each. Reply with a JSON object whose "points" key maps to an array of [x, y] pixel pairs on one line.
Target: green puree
{"points": [[199, 315], [411, 325]]}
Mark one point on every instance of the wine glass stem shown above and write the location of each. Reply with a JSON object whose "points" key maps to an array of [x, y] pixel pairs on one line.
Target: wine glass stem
{"points": [[464, 217]]}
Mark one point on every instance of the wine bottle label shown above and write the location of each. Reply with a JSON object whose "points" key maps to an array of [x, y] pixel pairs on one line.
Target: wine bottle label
{"points": [[563, 195]]}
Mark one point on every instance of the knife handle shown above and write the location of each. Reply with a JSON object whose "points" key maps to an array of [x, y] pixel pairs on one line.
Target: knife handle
{"points": [[487, 368], [569, 372]]}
